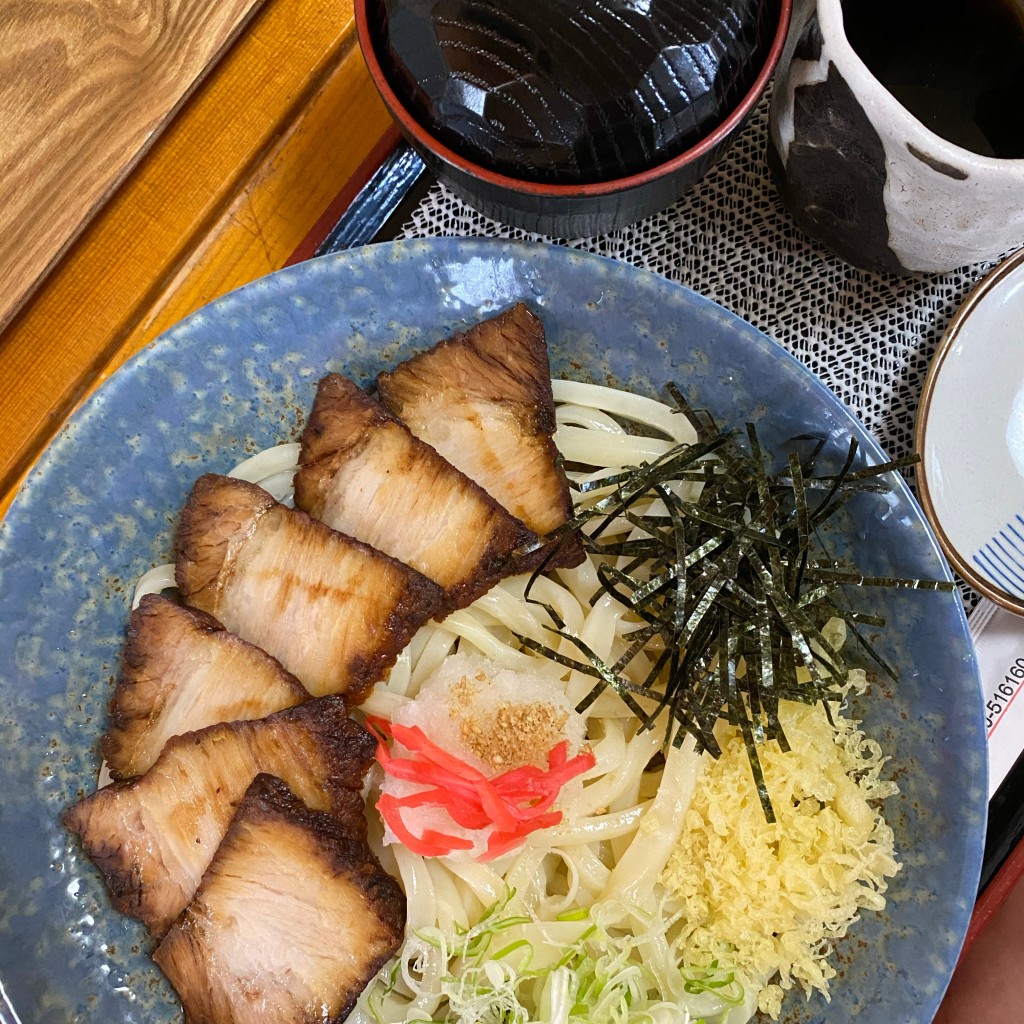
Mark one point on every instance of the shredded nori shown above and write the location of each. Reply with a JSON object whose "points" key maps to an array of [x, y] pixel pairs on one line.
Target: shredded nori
{"points": [[731, 590]]}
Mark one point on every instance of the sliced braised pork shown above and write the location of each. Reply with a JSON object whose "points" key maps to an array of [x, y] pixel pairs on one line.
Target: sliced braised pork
{"points": [[363, 473], [333, 610], [483, 400], [292, 920], [183, 671], [153, 837]]}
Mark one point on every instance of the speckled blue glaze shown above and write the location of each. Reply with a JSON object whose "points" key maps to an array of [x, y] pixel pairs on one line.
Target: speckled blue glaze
{"points": [[239, 375]]}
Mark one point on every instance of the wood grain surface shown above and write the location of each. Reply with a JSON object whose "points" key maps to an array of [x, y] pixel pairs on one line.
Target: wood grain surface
{"points": [[286, 121], [85, 86]]}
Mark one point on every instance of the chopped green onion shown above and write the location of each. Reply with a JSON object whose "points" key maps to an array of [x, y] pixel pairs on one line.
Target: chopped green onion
{"points": [[604, 975]]}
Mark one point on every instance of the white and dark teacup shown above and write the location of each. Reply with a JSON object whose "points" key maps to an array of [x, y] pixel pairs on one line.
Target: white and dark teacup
{"points": [[863, 175]]}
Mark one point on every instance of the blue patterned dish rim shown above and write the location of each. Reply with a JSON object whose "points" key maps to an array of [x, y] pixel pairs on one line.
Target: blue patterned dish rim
{"points": [[239, 375]]}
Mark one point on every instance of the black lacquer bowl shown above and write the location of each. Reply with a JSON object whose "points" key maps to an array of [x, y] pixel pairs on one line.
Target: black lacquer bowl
{"points": [[568, 118]]}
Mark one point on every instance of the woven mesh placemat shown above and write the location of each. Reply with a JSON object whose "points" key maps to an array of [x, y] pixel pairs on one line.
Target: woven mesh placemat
{"points": [[869, 336]]}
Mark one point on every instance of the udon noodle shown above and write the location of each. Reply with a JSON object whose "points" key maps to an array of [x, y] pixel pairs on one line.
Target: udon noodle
{"points": [[575, 923]]}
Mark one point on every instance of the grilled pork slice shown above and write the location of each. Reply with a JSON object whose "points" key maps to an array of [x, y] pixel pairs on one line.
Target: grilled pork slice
{"points": [[333, 610], [183, 671], [292, 920], [363, 473], [483, 400], [153, 837]]}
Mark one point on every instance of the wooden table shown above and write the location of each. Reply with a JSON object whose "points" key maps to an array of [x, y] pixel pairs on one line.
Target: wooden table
{"points": [[278, 135], [275, 138]]}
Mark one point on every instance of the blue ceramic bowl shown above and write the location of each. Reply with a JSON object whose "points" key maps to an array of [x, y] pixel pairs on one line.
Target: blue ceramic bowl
{"points": [[486, 159], [100, 507]]}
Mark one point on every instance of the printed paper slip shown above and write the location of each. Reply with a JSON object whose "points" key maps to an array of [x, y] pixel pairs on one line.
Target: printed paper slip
{"points": [[999, 640]]}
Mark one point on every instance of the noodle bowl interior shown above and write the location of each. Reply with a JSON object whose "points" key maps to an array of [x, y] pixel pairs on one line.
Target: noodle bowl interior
{"points": [[661, 893]]}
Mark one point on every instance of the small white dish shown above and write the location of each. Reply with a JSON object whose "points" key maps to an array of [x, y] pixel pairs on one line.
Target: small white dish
{"points": [[970, 435]]}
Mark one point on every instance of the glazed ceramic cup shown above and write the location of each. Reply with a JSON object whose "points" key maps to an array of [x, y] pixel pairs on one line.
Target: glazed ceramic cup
{"points": [[861, 174]]}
